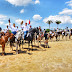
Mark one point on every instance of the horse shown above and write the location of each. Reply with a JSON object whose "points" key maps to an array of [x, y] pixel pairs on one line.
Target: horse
{"points": [[51, 36], [3, 40], [46, 39], [57, 35], [30, 36], [17, 39], [70, 34], [65, 34]]}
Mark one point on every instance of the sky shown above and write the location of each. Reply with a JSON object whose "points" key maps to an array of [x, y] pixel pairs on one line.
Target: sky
{"points": [[37, 11]]}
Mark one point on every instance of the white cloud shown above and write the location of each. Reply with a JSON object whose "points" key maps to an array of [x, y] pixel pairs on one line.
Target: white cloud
{"points": [[3, 17], [20, 2], [37, 17], [18, 21], [37, 2], [64, 19], [1, 22], [66, 11], [22, 11], [69, 3]]}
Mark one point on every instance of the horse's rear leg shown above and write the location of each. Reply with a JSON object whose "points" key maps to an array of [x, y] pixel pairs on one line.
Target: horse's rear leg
{"points": [[69, 36], [11, 46], [32, 45], [3, 49]]}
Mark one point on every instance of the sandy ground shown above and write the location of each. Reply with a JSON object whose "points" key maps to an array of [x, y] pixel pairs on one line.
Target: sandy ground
{"points": [[57, 58]]}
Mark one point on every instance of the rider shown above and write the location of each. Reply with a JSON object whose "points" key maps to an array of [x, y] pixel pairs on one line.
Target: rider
{"points": [[58, 31], [40, 31], [13, 28], [17, 29], [6, 29], [25, 29]]}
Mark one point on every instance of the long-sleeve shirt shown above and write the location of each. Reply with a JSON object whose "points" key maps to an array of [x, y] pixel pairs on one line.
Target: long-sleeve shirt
{"points": [[6, 29], [13, 28], [25, 28]]}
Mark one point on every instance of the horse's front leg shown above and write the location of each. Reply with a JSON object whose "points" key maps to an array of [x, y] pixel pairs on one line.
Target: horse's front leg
{"points": [[69, 36], [3, 49], [20, 45], [16, 47], [59, 37]]}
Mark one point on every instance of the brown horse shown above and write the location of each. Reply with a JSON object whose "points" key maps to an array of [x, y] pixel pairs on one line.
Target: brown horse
{"points": [[3, 40]]}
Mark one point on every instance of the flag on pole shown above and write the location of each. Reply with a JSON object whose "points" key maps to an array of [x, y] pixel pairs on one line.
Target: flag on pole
{"points": [[9, 20], [29, 21]]}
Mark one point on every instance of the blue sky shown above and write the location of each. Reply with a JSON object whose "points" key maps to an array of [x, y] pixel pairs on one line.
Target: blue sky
{"points": [[38, 11]]}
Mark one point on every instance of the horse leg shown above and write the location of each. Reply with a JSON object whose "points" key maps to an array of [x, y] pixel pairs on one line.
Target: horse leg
{"points": [[28, 45], [17, 48], [56, 38], [19, 45], [3, 49], [59, 37], [62, 36], [22, 43], [32, 45], [11, 46], [66, 38], [69, 36]]}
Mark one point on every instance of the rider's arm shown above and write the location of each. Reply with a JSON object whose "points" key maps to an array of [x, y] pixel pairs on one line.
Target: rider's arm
{"points": [[10, 26]]}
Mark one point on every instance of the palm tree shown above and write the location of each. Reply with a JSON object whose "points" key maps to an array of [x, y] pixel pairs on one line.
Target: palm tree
{"points": [[58, 22], [49, 22]]}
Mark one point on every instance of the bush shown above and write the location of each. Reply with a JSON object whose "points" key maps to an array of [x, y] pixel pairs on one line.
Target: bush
{"points": [[48, 30]]}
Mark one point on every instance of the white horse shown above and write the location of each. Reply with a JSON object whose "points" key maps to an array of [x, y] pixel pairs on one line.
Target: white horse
{"points": [[17, 39]]}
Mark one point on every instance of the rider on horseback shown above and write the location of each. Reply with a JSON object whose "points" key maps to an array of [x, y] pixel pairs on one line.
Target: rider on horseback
{"points": [[13, 28], [25, 29]]}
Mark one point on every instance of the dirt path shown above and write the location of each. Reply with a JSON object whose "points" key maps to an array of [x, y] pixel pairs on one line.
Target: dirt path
{"points": [[58, 58]]}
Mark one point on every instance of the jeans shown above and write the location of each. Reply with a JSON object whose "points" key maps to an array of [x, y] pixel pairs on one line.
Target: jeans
{"points": [[25, 33], [14, 32]]}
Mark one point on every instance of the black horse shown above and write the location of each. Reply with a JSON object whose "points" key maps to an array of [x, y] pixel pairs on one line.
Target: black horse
{"points": [[30, 36]]}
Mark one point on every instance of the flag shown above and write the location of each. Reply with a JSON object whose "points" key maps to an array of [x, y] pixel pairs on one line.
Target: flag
{"points": [[9, 20], [29, 21], [21, 22]]}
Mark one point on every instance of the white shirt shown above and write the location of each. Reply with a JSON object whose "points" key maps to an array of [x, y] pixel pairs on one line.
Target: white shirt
{"points": [[50, 32], [17, 29], [25, 28], [13, 28], [6, 29], [57, 30]]}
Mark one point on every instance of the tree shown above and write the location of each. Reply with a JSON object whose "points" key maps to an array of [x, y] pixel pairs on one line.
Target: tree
{"points": [[49, 22], [58, 22]]}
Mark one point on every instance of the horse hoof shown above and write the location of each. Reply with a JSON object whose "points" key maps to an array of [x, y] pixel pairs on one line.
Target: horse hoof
{"points": [[28, 49], [32, 49], [38, 46], [2, 54], [48, 47], [17, 53]]}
